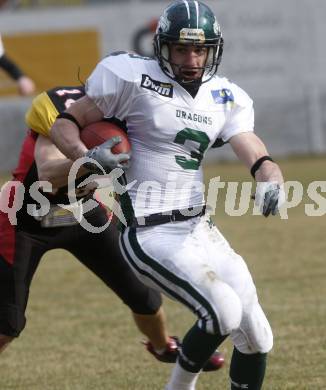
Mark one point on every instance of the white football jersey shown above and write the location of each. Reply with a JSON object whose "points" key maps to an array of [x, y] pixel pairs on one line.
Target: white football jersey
{"points": [[169, 130]]}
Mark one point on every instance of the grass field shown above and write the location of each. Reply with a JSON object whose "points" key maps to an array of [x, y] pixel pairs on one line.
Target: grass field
{"points": [[80, 337]]}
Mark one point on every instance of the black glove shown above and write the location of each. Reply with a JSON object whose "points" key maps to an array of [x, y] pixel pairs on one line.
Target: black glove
{"points": [[107, 160], [269, 197]]}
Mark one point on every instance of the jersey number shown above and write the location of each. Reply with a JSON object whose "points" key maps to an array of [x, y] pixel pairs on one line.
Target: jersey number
{"points": [[68, 102], [196, 155]]}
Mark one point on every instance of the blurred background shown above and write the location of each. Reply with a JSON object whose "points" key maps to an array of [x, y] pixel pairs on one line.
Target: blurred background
{"points": [[274, 50]]}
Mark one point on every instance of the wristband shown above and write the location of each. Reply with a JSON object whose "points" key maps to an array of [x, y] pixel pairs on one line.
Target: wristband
{"points": [[258, 163]]}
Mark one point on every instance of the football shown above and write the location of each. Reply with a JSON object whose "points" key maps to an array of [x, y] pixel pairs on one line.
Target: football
{"points": [[96, 133]]}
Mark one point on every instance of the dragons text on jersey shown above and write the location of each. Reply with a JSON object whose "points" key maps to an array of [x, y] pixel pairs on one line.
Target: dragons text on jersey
{"points": [[194, 117]]}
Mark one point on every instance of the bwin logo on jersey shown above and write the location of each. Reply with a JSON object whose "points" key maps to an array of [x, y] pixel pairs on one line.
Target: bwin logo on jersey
{"points": [[164, 89], [222, 96]]}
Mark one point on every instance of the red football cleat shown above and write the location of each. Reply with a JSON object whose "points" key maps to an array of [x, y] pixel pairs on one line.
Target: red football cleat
{"points": [[214, 363]]}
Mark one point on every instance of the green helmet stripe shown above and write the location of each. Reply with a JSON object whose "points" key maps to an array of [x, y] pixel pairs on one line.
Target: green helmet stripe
{"points": [[197, 12], [193, 12], [187, 8]]}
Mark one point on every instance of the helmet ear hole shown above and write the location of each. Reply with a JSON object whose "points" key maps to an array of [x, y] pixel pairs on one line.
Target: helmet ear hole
{"points": [[165, 52], [165, 59], [210, 57], [220, 51]]}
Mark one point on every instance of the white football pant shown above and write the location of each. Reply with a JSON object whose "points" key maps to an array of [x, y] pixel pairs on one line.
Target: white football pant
{"points": [[192, 262]]}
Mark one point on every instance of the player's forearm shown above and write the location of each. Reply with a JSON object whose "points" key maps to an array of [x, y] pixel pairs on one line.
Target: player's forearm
{"points": [[65, 132], [65, 135], [249, 148], [57, 171]]}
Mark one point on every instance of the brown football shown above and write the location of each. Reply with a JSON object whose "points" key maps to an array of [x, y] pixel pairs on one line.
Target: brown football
{"points": [[96, 133]]}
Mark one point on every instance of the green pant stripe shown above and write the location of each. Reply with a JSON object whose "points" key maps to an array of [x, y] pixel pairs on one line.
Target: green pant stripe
{"points": [[169, 277], [150, 276]]}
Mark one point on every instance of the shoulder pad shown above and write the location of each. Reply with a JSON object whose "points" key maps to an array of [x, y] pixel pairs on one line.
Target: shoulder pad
{"points": [[239, 96], [127, 66], [41, 115]]}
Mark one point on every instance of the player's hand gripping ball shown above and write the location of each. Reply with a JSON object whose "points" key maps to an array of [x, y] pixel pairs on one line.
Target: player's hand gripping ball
{"points": [[108, 144]]}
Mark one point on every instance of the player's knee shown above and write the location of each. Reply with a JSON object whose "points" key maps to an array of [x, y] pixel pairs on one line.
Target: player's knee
{"points": [[255, 334], [228, 308], [261, 344], [264, 339], [266, 344], [230, 314], [262, 331], [5, 341]]}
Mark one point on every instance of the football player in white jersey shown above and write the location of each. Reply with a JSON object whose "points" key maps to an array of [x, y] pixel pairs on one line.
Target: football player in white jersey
{"points": [[176, 107]]}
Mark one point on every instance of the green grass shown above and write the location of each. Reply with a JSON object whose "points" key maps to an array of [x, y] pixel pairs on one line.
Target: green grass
{"points": [[80, 337]]}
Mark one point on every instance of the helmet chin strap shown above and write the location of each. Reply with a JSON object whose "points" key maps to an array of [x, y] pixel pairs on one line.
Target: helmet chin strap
{"points": [[185, 81], [179, 76], [190, 85]]}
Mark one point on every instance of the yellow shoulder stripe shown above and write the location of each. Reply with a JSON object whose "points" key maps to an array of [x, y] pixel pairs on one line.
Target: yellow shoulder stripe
{"points": [[41, 115]]}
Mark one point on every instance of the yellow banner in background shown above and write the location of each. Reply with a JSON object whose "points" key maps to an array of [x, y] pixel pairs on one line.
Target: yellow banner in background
{"points": [[51, 59]]}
